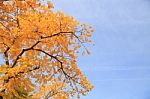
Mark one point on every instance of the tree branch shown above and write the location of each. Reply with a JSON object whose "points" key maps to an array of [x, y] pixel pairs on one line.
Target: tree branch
{"points": [[61, 63], [19, 73], [6, 56], [22, 52], [48, 55], [54, 35]]}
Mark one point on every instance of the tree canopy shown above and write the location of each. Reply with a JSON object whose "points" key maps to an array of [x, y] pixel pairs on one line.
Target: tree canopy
{"points": [[39, 49]]}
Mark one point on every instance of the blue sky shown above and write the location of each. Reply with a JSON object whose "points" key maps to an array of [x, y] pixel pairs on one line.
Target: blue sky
{"points": [[119, 66]]}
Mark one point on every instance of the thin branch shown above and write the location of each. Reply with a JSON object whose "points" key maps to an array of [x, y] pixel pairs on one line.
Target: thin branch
{"points": [[55, 35], [19, 73], [6, 56], [22, 52], [61, 63], [48, 55], [4, 26]]}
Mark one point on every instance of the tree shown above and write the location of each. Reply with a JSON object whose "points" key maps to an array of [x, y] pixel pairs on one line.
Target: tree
{"points": [[39, 48]]}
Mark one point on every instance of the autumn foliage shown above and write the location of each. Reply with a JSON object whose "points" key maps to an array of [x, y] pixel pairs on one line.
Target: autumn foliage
{"points": [[39, 47]]}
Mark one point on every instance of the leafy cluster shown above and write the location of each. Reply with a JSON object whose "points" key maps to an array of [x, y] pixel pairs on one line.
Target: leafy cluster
{"points": [[39, 49]]}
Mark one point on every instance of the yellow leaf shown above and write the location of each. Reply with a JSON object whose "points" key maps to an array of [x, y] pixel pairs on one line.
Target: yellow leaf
{"points": [[88, 34]]}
